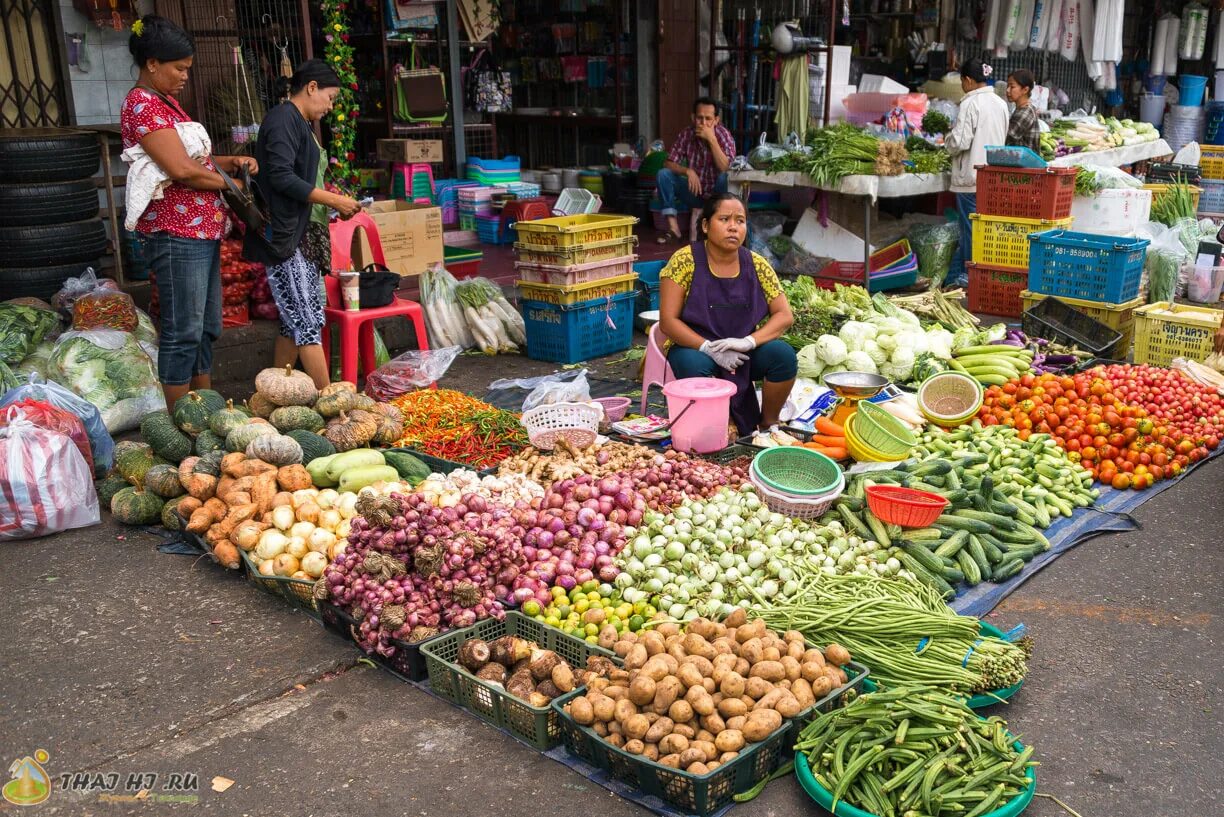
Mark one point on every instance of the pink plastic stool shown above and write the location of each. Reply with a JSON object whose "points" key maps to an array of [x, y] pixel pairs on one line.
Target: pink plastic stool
{"points": [[357, 327], [409, 171], [655, 371]]}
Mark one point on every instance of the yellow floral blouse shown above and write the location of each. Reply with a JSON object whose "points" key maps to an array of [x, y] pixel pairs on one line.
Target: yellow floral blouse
{"points": [[680, 269]]}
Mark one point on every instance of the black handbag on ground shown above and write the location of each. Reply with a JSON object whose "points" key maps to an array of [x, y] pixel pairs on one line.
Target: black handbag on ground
{"points": [[378, 285]]}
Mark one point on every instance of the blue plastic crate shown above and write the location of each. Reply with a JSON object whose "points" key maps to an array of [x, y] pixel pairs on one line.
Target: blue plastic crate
{"points": [[648, 272], [1013, 156], [493, 230], [1086, 266], [577, 332], [494, 165], [1212, 199]]}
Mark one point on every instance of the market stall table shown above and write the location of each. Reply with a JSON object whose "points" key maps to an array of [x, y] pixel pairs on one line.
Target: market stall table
{"points": [[1115, 157]]}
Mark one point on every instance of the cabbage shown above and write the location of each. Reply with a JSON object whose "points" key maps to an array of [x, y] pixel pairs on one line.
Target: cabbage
{"points": [[860, 362], [855, 333], [111, 370], [810, 364], [873, 350], [915, 341], [939, 343], [965, 336], [889, 326], [886, 342], [902, 364], [831, 349]]}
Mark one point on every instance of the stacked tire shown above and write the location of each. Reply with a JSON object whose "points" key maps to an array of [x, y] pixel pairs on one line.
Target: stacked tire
{"points": [[50, 229]]}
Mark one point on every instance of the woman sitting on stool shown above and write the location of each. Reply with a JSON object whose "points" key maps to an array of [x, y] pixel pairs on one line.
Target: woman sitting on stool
{"points": [[724, 313]]}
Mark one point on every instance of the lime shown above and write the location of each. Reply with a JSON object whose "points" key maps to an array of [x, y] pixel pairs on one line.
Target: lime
{"points": [[531, 607], [636, 622], [564, 610], [592, 629], [558, 592], [592, 639], [553, 621], [582, 605], [588, 586]]}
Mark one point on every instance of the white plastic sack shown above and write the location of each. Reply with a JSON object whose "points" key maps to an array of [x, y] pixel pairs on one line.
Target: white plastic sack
{"points": [[46, 483], [111, 370]]}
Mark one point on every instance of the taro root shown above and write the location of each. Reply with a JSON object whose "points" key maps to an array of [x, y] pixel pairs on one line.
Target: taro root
{"points": [[474, 654], [520, 685], [509, 650], [542, 664], [493, 673]]}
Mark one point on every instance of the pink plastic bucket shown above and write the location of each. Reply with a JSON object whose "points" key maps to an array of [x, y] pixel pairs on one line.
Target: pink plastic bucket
{"points": [[703, 427]]}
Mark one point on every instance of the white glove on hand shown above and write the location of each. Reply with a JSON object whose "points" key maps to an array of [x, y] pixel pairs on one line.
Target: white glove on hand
{"points": [[728, 359], [744, 345]]}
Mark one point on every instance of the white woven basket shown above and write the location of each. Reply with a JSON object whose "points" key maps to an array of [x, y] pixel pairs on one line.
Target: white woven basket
{"points": [[577, 423], [796, 507]]}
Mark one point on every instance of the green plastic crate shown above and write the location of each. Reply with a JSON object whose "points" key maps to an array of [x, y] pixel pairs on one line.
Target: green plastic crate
{"points": [[442, 466], [856, 679], [536, 726], [298, 592]]}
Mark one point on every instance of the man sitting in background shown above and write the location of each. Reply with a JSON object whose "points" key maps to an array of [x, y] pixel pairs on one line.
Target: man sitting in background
{"points": [[696, 166]]}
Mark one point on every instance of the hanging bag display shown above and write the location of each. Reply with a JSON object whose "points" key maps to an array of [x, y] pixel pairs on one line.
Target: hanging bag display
{"points": [[487, 88], [420, 93]]}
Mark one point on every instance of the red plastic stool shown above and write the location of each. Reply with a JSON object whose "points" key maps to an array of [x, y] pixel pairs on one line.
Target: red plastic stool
{"points": [[357, 327], [527, 210]]}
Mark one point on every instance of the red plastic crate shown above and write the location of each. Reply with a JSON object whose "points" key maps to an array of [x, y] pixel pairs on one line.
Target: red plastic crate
{"points": [[996, 290], [1021, 192]]}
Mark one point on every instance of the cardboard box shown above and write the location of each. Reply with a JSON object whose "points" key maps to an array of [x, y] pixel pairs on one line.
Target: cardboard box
{"points": [[410, 150], [411, 236]]}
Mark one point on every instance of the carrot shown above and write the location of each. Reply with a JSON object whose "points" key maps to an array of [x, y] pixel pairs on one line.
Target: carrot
{"points": [[829, 440], [833, 453], [826, 426]]}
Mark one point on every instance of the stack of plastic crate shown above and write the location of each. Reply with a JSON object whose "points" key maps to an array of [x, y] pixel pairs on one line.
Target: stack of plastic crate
{"points": [[473, 202]]}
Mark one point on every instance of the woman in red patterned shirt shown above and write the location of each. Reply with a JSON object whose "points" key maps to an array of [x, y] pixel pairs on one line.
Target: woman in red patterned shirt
{"points": [[183, 227]]}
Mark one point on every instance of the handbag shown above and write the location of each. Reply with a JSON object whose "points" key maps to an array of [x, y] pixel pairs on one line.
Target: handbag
{"points": [[489, 89], [420, 93], [377, 286], [242, 200]]}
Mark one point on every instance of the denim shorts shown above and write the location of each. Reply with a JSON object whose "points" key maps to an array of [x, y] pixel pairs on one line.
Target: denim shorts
{"points": [[188, 274]]}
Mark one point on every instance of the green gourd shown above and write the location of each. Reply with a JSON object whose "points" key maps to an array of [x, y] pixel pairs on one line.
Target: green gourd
{"points": [[164, 437], [136, 506], [293, 418], [241, 437], [227, 419], [206, 442], [410, 468], [194, 409], [108, 486], [134, 462], [169, 517], [208, 464], [163, 480], [276, 449], [313, 445], [330, 405]]}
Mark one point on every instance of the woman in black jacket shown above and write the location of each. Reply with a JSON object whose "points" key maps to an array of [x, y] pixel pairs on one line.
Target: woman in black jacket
{"points": [[295, 246]]}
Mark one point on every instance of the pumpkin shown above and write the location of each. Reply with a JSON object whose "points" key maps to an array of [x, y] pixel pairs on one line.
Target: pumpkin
{"points": [[194, 410], [292, 418], [170, 518], [351, 430], [164, 437], [390, 411], [388, 431], [293, 478], [206, 442], [225, 420], [314, 445], [136, 506], [124, 446], [338, 386], [108, 486], [134, 462], [260, 406], [163, 480], [332, 404], [209, 464], [286, 387], [364, 402], [240, 438], [276, 449]]}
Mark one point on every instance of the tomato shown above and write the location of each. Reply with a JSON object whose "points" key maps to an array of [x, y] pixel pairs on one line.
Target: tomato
{"points": [[1185, 447], [1121, 481]]}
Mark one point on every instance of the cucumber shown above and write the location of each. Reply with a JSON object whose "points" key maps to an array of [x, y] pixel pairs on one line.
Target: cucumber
{"points": [[1003, 508], [964, 523], [356, 458], [855, 524], [973, 574], [409, 467], [935, 467], [878, 529], [952, 545], [923, 534], [993, 554], [932, 580], [929, 561], [852, 502], [1006, 570], [977, 552], [993, 519]]}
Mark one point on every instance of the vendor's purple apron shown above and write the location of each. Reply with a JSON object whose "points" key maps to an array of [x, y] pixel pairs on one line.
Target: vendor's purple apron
{"points": [[718, 308]]}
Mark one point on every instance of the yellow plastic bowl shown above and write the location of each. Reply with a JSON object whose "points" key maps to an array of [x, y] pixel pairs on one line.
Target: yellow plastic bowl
{"points": [[863, 452]]}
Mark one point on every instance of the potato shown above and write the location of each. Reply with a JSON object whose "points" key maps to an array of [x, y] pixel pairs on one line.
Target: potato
{"points": [[624, 710], [760, 724], [642, 690], [725, 663], [702, 627], [680, 711], [600, 728], [700, 700], [770, 699], [563, 678], [754, 629], [708, 685], [725, 646], [673, 744], [660, 729], [732, 685], [837, 655], [713, 723], [814, 655], [652, 717], [730, 707], [652, 752], [614, 728], [619, 676], [834, 675], [729, 740], [634, 747], [788, 705], [795, 649], [636, 656], [655, 669], [742, 666], [616, 740], [653, 642], [792, 668], [757, 688], [696, 645], [616, 692], [666, 692], [737, 723], [629, 635], [582, 712], [802, 691], [622, 648], [685, 730], [636, 727], [676, 652], [810, 671], [672, 662], [704, 665], [752, 650], [737, 617], [771, 671], [821, 687], [707, 746], [712, 766], [689, 675], [771, 654], [669, 629], [672, 760], [690, 756], [698, 768]]}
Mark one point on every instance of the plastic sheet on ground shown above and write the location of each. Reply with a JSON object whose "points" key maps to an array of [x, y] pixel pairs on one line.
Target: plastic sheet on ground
{"points": [[1110, 514]]}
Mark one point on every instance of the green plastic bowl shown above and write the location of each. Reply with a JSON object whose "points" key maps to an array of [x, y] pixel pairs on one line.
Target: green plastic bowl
{"points": [[796, 471], [882, 431], [982, 699], [824, 797]]}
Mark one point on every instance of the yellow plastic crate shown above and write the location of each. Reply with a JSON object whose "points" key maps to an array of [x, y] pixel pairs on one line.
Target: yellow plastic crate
{"points": [[1189, 332], [1120, 317], [582, 254], [574, 231], [1212, 161], [1002, 241], [562, 295], [1159, 190]]}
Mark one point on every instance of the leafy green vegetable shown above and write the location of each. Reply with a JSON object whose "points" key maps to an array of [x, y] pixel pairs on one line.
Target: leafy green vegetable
{"points": [[935, 122], [925, 365], [21, 329], [8, 380], [1086, 182]]}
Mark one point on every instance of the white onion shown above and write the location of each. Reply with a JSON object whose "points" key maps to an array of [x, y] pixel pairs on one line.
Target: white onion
{"points": [[283, 517], [272, 543]]}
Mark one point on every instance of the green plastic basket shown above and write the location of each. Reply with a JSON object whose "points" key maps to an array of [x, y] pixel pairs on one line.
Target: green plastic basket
{"points": [[824, 797], [298, 592], [535, 726], [882, 431], [796, 471], [689, 793], [856, 681]]}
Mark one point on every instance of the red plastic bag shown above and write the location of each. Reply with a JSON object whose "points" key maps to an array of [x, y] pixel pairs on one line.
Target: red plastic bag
{"points": [[53, 418], [45, 484]]}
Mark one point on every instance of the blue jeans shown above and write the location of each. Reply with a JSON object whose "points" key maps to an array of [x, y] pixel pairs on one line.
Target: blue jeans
{"points": [[774, 361], [966, 203], [674, 189], [188, 274]]}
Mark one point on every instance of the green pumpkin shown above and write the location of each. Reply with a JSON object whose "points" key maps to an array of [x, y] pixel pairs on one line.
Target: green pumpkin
{"points": [[108, 486], [240, 437], [134, 462], [169, 514], [163, 480], [276, 449], [209, 464], [164, 437], [292, 418], [134, 506], [194, 409], [124, 446], [364, 402], [206, 442], [330, 405], [313, 445], [227, 419]]}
